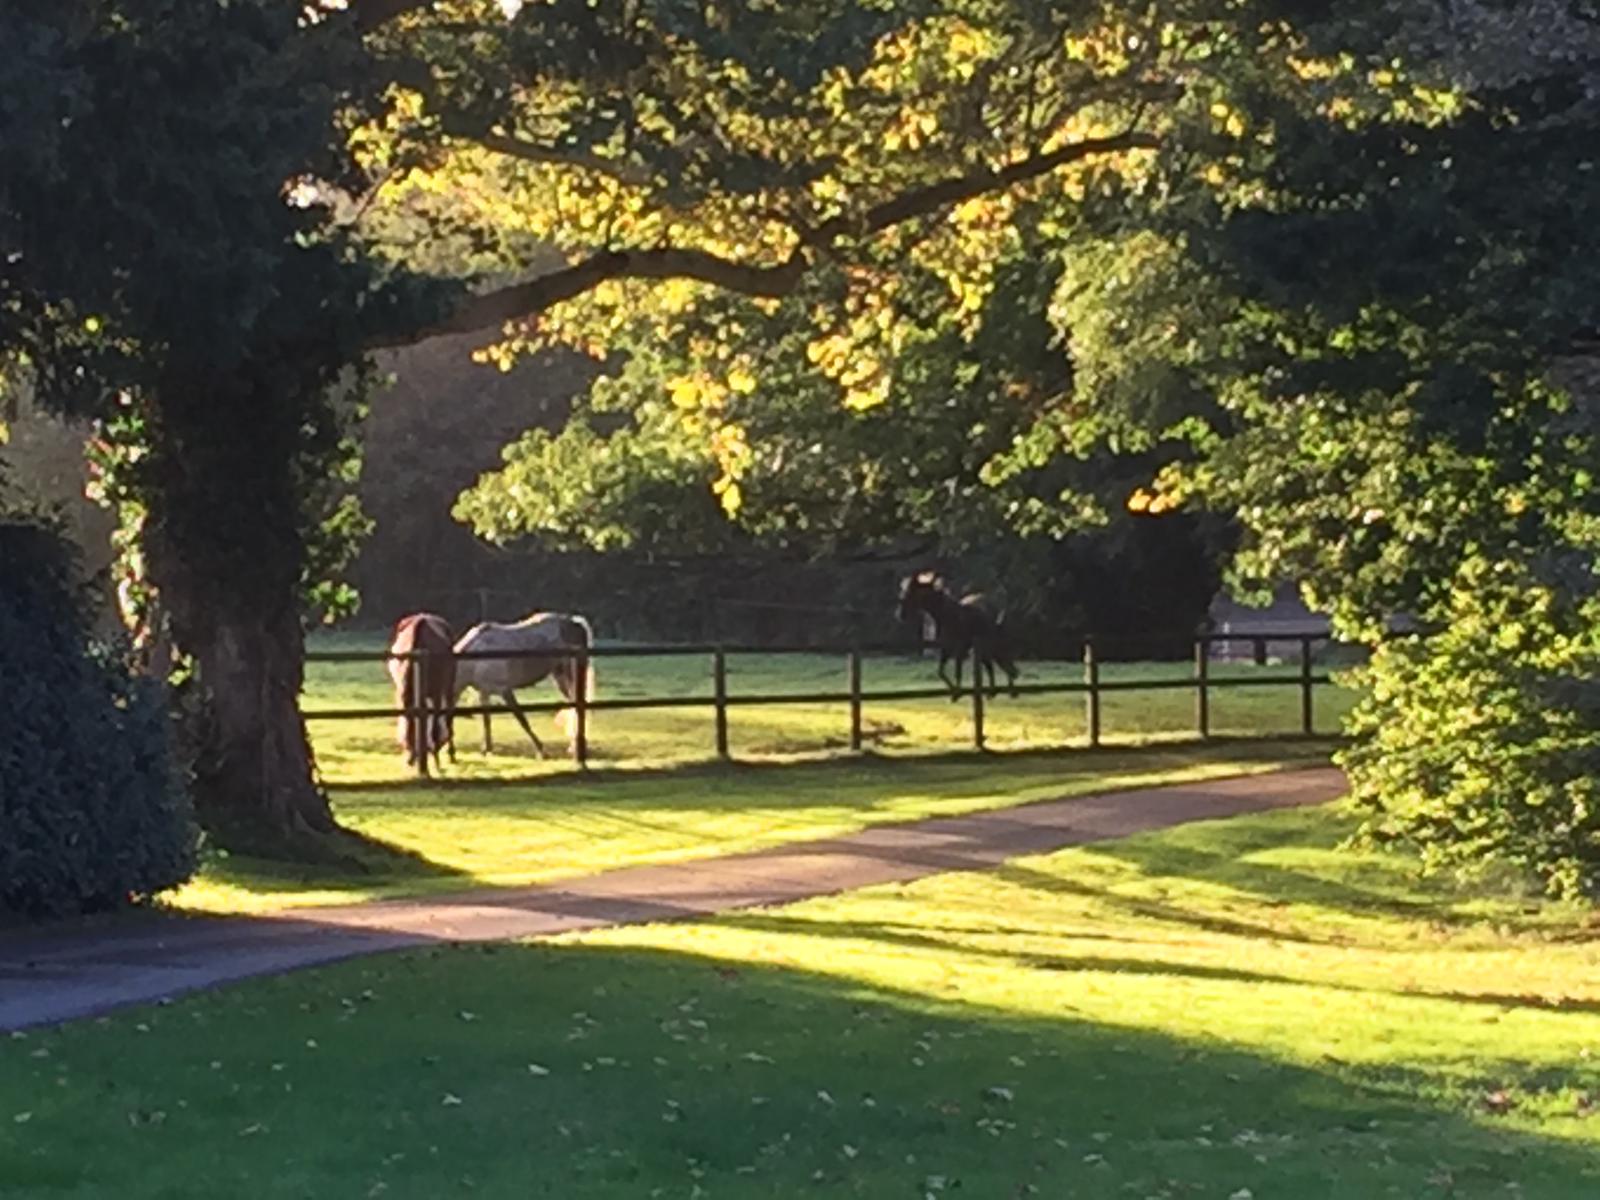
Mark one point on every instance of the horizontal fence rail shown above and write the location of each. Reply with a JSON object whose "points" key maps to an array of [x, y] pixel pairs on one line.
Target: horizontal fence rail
{"points": [[1092, 686]]}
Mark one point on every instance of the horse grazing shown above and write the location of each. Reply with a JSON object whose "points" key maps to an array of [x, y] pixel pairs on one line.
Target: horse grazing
{"points": [[427, 683], [502, 676], [961, 627]]}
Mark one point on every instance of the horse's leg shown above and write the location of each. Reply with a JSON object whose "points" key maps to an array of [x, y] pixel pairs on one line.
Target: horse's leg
{"points": [[516, 711], [440, 722], [944, 660], [488, 734], [955, 690]]}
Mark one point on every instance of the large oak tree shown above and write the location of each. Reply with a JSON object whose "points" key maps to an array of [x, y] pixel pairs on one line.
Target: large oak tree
{"points": [[223, 208]]}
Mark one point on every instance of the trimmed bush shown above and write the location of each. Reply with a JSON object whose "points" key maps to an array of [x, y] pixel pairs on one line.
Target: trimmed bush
{"points": [[1479, 746], [93, 813]]}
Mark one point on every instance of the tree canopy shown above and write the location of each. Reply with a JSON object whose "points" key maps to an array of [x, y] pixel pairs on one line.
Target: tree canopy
{"points": [[1320, 258]]}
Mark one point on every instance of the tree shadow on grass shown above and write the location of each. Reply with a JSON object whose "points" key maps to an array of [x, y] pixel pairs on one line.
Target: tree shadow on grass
{"points": [[589, 1072], [357, 858], [1235, 854], [922, 936]]}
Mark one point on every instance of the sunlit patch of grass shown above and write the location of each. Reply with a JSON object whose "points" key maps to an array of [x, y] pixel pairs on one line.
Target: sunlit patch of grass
{"points": [[509, 818], [451, 836], [1228, 1009], [365, 751]]}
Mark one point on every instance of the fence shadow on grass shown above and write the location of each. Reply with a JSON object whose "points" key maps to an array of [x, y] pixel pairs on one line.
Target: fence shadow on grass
{"points": [[1063, 759]]}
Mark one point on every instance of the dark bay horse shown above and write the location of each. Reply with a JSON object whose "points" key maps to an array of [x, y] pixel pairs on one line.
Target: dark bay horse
{"points": [[502, 676], [428, 683], [961, 627]]}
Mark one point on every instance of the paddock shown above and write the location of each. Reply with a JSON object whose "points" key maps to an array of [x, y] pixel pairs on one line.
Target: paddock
{"points": [[673, 705]]}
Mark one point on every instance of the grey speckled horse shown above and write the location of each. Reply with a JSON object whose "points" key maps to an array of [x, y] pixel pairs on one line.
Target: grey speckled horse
{"points": [[502, 676]]}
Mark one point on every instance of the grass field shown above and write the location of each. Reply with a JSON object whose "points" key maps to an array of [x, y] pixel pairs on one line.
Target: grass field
{"points": [[656, 794], [1228, 1010], [509, 818], [365, 751], [423, 838]]}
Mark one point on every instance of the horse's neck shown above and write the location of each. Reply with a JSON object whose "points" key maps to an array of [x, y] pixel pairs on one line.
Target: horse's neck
{"points": [[942, 606]]}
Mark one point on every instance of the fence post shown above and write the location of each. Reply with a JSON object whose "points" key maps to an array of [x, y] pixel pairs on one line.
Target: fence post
{"points": [[418, 733], [1091, 676], [580, 706], [719, 686], [1202, 694], [853, 669], [977, 699], [1307, 724]]}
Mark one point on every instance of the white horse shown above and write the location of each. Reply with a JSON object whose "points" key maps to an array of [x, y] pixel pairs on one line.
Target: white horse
{"points": [[502, 676]]}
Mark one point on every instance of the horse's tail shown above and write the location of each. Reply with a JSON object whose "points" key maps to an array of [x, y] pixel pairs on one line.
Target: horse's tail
{"points": [[567, 680]]}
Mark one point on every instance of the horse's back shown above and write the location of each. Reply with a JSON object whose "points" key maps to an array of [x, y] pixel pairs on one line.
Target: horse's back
{"points": [[540, 631], [982, 614]]}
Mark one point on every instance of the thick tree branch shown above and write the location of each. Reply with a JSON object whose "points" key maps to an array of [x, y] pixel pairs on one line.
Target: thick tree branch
{"points": [[523, 300], [977, 183]]}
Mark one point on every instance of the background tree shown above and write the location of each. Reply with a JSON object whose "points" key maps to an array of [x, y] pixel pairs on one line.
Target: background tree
{"points": [[728, 437], [1399, 256]]}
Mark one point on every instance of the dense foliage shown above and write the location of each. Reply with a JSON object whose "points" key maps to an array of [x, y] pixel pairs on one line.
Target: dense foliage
{"points": [[93, 814], [1397, 269], [937, 468]]}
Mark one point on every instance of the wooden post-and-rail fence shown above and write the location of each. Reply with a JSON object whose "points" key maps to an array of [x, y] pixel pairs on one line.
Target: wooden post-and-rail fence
{"points": [[1093, 687]]}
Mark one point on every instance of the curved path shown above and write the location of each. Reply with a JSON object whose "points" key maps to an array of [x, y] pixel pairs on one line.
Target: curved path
{"points": [[48, 976]]}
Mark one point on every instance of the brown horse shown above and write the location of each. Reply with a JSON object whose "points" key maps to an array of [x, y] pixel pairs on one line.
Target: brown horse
{"points": [[425, 683], [961, 627]]}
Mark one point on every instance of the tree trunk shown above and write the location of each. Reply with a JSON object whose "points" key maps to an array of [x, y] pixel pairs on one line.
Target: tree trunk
{"points": [[256, 788], [225, 554]]}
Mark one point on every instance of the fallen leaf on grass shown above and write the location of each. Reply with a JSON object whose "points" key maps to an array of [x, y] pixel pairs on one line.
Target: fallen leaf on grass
{"points": [[1499, 1101]]}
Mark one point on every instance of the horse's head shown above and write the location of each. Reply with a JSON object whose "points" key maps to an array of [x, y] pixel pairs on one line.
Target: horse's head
{"points": [[916, 594]]}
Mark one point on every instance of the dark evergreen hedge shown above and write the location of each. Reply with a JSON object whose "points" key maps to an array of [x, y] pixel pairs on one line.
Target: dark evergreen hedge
{"points": [[93, 813]]}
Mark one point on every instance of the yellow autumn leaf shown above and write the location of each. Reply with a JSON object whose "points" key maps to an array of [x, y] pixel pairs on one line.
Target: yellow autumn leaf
{"points": [[685, 391]]}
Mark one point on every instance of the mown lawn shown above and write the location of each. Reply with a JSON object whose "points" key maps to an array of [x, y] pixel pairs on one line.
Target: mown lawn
{"points": [[1231, 1009], [365, 751], [509, 818], [423, 838]]}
